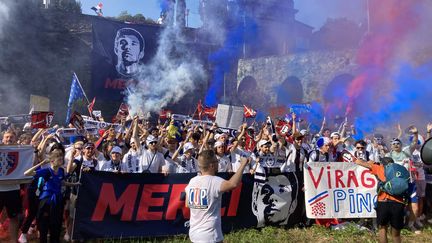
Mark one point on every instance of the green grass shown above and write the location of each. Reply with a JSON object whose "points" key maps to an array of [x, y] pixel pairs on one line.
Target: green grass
{"points": [[314, 234]]}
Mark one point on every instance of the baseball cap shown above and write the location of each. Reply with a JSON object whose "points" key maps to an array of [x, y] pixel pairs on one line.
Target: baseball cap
{"points": [[188, 146], [89, 145], [396, 141], [262, 142], [334, 134], [219, 135], [151, 139], [297, 135], [304, 132], [116, 149]]}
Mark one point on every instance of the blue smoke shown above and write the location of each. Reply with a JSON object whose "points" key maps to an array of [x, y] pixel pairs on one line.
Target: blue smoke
{"points": [[240, 30], [412, 91]]}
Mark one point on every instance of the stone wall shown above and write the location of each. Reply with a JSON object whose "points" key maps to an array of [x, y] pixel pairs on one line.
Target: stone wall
{"points": [[315, 70]]}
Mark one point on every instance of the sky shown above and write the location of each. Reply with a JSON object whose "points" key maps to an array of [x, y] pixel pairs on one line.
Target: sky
{"points": [[311, 12]]}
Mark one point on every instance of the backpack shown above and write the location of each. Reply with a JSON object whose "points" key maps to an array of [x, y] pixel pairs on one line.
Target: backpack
{"points": [[397, 178], [317, 152]]}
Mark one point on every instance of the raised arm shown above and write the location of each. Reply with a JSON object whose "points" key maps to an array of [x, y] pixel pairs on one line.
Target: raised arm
{"points": [[32, 170], [235, 180]]}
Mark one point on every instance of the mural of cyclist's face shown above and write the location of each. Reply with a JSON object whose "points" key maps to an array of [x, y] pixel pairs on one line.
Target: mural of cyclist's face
{"points": [[274, 201]]}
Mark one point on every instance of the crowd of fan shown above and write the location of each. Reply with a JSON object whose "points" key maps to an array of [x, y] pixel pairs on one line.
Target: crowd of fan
{"points": [[172, 147]]}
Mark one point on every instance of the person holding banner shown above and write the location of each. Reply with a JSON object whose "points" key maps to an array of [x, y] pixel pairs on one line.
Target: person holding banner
{"points": [[204, 198], [10, 194]]}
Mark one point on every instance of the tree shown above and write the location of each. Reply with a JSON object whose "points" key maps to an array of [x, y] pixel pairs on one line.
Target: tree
{"points": [[125, 16]]}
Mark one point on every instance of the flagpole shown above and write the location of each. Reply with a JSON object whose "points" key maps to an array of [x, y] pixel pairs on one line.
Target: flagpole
{"points": [[79, 83]]}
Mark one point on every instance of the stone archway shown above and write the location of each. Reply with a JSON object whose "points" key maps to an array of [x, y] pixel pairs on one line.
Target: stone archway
{"points": [[289, 91], [249, 94]]}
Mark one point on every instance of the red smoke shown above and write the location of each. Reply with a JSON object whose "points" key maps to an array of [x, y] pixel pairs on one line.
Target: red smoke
{"points": [[390, 23]]}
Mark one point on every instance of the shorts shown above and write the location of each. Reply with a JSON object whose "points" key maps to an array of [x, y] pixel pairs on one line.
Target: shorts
{"points": [[421, 188], [12, 201], [412, 192], [392, 213]]}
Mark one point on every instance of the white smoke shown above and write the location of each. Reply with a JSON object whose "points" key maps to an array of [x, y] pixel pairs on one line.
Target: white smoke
{"points": [[4, 16], [172, 73]]}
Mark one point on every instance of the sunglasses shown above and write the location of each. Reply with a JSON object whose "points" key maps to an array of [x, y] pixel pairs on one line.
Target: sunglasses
{"points": [[89, 148], [79, 148], [396, 143], [153, 143], [360, 147]]}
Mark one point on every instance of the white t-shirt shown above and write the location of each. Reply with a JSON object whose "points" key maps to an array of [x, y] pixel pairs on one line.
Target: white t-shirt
{"points": [[110, 166], [131, 162], [236, 156], [187, 165], [204, 199], [224, 163], [402, 157], [152, 161]]}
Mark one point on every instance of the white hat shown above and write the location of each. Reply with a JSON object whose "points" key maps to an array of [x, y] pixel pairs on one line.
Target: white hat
{"points": [[219, 135], [151, 139], [218, 143], [334, 134], [262, 142], [116, 149], [303, 132], [187, 147]]}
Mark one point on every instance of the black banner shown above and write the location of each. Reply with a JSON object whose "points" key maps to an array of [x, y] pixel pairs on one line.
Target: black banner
{"points": [[118, 49], [148, 205]]}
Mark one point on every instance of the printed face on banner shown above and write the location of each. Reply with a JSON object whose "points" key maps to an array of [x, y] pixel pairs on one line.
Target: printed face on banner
{"points": [[8, 162], [274, 201], [129, 48]]}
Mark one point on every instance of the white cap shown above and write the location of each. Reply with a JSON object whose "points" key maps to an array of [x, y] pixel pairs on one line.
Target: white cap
{"points": [[218, 143], [262, 142], [303, 132], [334, 134], [116, 149], [188, 146], [151, 139], [219, 135]]}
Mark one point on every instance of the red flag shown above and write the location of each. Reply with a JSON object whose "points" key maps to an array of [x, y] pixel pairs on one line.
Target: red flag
{"points": [[210, 112], [122, 112], [41, 119], [165, 114], [249, 112], [90, 106], [198, 111], [77, 121]]}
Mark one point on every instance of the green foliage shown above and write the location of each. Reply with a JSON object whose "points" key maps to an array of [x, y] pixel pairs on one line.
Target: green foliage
{"points": [[124, 16]]}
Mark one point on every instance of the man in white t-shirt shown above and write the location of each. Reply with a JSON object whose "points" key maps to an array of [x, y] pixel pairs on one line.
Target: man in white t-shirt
{"points": [[152, 160], [204, 198], [131, 160]]}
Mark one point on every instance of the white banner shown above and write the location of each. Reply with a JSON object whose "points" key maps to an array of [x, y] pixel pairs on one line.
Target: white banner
{"points": [[14, 161], [339, 190]]}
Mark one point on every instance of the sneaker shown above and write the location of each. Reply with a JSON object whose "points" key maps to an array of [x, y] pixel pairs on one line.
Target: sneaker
{"points": [[22, 238], [414, 230], [66, 237], [422, 217], [429, 221]]}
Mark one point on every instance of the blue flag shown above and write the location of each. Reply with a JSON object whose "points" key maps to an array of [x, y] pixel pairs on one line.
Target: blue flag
{"points": [[76, 93]]}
